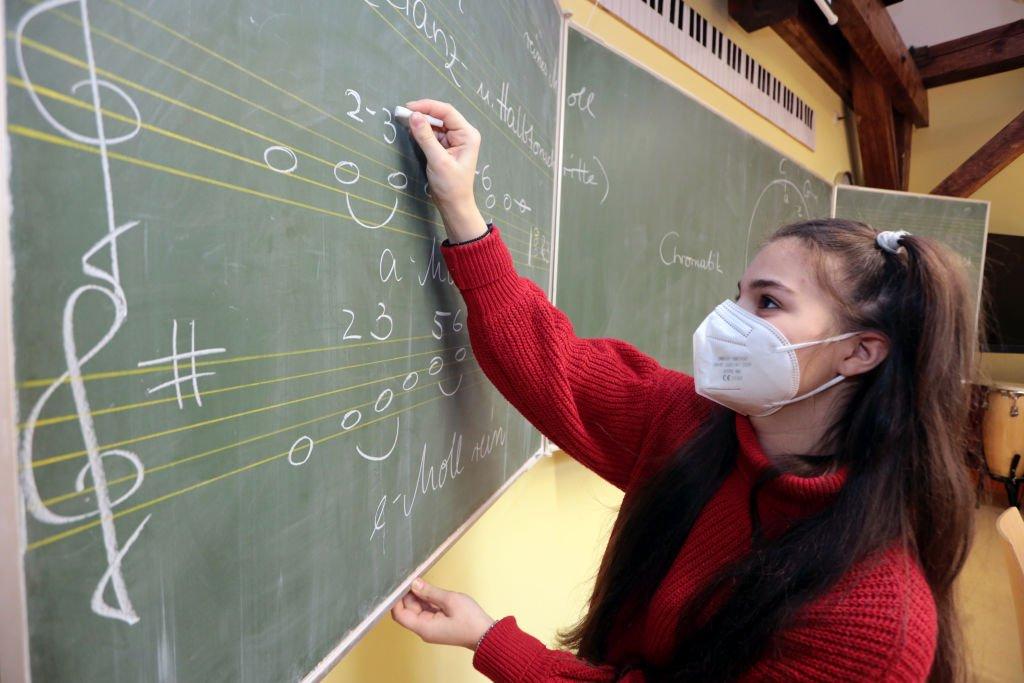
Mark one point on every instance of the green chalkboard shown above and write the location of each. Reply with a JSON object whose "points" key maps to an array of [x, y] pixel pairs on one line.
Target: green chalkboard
{"points": [[663, 202], [960, 223], [248, 409]]}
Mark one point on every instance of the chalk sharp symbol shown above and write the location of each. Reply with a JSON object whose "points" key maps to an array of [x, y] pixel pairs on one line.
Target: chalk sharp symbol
{"points": [[175, 360]]}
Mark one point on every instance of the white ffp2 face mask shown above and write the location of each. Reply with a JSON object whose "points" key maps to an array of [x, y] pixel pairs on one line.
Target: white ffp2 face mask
{"points": [[745, 363]]}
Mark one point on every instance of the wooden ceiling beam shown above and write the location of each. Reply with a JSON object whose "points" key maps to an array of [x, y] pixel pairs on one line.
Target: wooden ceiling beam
{"points": [[809, 35], [877, 43], [805, 30], [753, 15], [979, 54], [993, 157], [876, 129]]}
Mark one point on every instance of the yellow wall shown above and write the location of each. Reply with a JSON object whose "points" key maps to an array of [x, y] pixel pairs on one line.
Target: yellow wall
{"points": [[535, 552]]}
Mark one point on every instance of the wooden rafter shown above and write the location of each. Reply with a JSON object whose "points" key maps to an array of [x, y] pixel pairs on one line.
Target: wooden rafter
{"points": [[994, 156], [756, 14], [805, 30], [877, 43], [809, 35], [876, 129], [979, 54]]}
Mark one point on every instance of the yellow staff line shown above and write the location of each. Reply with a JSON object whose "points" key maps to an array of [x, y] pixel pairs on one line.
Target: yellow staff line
{"points": [[210, 84], [60, 97], [73, 61], [259, 437], [64, 142], [35, 383], [149, 503], [188, 74], [212, 392], [263, 80], [247, 72], [71, 455]]}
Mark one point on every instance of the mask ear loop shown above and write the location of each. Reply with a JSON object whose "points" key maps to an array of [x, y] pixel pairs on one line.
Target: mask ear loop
{"points": [[832, 382], [793, 347]]}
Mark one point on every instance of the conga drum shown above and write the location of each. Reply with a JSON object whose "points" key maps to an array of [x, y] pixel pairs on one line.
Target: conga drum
{"points": [[1003, 436]]}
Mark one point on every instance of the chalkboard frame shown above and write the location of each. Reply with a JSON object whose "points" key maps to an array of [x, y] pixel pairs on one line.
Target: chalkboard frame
{"points": [[15, 663], [14, 659], [591, 35]]}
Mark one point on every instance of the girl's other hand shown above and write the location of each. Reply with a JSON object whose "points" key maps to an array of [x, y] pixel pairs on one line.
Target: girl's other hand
{"points": [[441, 617]]}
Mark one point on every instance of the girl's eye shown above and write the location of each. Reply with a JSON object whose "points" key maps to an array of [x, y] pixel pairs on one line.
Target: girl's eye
{"points": [[768, 298]]}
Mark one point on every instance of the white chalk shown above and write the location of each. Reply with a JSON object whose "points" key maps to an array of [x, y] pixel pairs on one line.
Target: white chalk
{"points": [[402, 115]]}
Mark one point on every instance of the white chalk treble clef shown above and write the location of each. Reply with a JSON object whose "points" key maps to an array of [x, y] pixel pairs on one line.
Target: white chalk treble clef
{"points": [[105, 282]]}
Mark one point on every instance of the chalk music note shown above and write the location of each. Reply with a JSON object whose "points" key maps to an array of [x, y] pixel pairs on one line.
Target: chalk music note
{"points": [[106, 282]]}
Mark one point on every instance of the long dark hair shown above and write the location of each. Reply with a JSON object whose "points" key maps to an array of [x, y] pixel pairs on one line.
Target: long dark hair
{"points": [[903, 433]]}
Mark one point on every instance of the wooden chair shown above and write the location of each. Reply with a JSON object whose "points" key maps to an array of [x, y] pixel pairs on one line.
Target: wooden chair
{"points": [[1010, 526]]}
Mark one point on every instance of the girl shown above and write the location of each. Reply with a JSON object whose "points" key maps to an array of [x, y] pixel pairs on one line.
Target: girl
{"points": [[797, 510]]}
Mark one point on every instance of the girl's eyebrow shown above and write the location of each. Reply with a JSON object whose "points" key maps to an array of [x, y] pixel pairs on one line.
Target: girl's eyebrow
{"points": [[762, 283]]}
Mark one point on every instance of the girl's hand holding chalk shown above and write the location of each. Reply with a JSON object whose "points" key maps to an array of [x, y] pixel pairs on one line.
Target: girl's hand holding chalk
{"points": [[402, 115], [451, 164]]}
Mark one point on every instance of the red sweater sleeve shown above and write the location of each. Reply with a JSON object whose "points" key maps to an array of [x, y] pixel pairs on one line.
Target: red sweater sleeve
{"points": [[509, 655], [879, 623], [591, 397]]}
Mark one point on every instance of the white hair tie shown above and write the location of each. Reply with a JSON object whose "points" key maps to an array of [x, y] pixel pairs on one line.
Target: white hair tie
{"points": [[890, 239]]}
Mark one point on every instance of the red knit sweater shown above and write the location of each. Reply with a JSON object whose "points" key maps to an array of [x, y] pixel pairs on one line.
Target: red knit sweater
{"points": [[619, 412]]}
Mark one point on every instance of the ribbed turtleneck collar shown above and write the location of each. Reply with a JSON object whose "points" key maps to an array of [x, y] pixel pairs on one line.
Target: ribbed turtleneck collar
{"points": [[788, 493]]}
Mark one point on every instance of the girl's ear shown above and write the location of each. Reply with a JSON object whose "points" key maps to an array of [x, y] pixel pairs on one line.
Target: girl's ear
{"points": [[872, 348]]}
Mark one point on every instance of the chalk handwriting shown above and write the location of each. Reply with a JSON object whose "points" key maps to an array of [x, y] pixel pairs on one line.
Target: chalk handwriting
{"points": [[672, 256], [175, 357], [582, 174], [418, 14], [581, 100], [550, 73]]}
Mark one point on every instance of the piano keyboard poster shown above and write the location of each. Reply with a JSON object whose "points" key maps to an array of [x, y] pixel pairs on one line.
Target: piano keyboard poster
{"points": [[689, 36]]}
